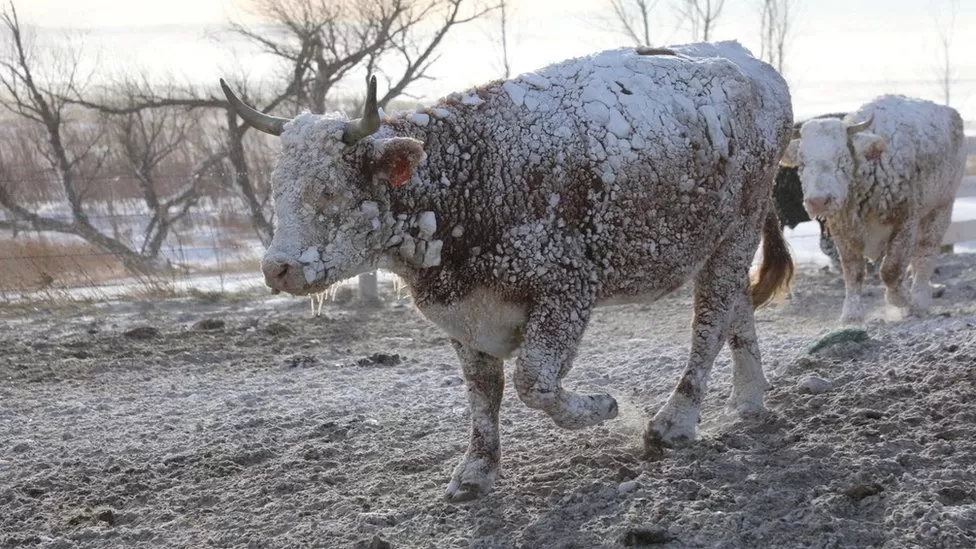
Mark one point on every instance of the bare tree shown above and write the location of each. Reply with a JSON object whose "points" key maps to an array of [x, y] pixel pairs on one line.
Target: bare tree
{"points": [[701, 15], [74, 152], [229, 147], [503, 26], [945, 28], [775, 28], [321, 43], [146, 142], [634, 19]]}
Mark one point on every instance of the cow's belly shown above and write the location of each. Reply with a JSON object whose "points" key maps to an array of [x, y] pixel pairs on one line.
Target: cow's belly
{"points": [[482, 321], [641, 298]]}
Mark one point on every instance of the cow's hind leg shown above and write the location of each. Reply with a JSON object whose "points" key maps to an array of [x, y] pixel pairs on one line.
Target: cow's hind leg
{"points": [[484, 376], [718, 287], [748, 381], [930, 233], [551, 337]]}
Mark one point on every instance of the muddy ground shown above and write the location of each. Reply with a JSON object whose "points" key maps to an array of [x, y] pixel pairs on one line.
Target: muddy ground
{"points": [[244, 422]]}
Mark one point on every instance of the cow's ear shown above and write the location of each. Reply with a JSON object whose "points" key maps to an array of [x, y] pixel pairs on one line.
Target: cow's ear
{"points": [[869, 145], [396, 158], [791, 157]]}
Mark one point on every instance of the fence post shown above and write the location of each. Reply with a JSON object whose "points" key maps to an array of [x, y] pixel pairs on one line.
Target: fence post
{"points": [[368, 290]]}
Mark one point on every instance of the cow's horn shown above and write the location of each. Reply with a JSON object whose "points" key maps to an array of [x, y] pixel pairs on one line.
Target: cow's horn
{"points": [[260, 121], [860, 126], [370, 122]]}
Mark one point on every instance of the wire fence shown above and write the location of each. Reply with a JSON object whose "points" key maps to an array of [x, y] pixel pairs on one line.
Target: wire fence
{"points": [[213, 246]]}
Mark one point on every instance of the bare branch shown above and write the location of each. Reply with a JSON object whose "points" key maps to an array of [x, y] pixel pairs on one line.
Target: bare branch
{"points": [[634, 19], [776, 27], [945, 30], [701, 16]]}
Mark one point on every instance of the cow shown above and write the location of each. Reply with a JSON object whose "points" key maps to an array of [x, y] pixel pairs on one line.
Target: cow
{"points": [[885, 179], [513, 209], [788, 196]]}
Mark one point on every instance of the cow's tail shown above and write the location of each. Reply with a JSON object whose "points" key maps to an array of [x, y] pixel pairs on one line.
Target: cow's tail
{"points": [[775, 274]]}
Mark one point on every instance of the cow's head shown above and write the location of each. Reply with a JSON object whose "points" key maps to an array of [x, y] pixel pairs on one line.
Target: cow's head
{"points": [[827, 152], [331, 194]]}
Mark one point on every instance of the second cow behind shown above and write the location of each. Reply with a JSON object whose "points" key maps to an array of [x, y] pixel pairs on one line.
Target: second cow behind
{"points": [[885, 184]]}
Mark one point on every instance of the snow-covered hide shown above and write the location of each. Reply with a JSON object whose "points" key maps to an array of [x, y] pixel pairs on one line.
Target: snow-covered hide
{"points": [[885, 179], [513, 209]]}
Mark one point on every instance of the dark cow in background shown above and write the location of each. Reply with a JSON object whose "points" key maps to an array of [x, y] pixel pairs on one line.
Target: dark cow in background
{"points": [[512, 210]]}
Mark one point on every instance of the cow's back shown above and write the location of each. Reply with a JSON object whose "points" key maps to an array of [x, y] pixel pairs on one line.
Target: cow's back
{"points": [[925, 146], [774, 118], [620, 107], [630, 167]]}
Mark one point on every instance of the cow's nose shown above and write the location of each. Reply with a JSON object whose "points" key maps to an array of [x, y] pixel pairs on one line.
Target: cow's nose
{"points": [[278, 275], [818, 206]]}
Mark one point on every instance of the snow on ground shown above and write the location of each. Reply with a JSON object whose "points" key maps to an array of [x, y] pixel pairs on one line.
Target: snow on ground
{"points": [[246, 423]]}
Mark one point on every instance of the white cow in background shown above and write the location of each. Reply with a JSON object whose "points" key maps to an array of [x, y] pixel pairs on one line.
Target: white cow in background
{"points": [[885, 184]]}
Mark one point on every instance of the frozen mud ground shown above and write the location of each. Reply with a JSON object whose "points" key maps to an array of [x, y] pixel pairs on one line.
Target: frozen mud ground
{"points": [[263, 427]]}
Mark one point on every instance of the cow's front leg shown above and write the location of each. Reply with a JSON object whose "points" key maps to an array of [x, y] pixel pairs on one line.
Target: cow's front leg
{"points": [[484, 376], [551, 337], [852, 262], [894, 269]]}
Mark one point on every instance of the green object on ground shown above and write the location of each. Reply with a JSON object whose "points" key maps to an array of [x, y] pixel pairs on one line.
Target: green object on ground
{"points": [[839, 336]]}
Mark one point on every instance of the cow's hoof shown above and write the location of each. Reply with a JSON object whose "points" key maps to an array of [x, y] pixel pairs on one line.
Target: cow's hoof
{"points": [[655, 442], [897, 298], [856, 317], [894, 313], [747, 398], [745, 408], [471, 480], [668, 430], [460, 493], [581, 411]]}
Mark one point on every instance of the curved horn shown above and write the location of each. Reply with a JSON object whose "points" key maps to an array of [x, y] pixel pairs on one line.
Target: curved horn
{"points": [[370, 122], [260, 121], [860, 126]]}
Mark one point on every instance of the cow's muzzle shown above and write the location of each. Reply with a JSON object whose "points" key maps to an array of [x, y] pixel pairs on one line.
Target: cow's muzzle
{"points": [[820, 206], [284, 276]]}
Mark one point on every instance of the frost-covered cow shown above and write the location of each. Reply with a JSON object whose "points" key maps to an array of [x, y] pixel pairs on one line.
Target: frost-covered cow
{"points": [[514, 209], [888, 190], [788, 195]]}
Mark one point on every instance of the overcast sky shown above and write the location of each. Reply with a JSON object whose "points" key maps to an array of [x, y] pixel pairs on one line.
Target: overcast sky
{"points": [[843, 53]]}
